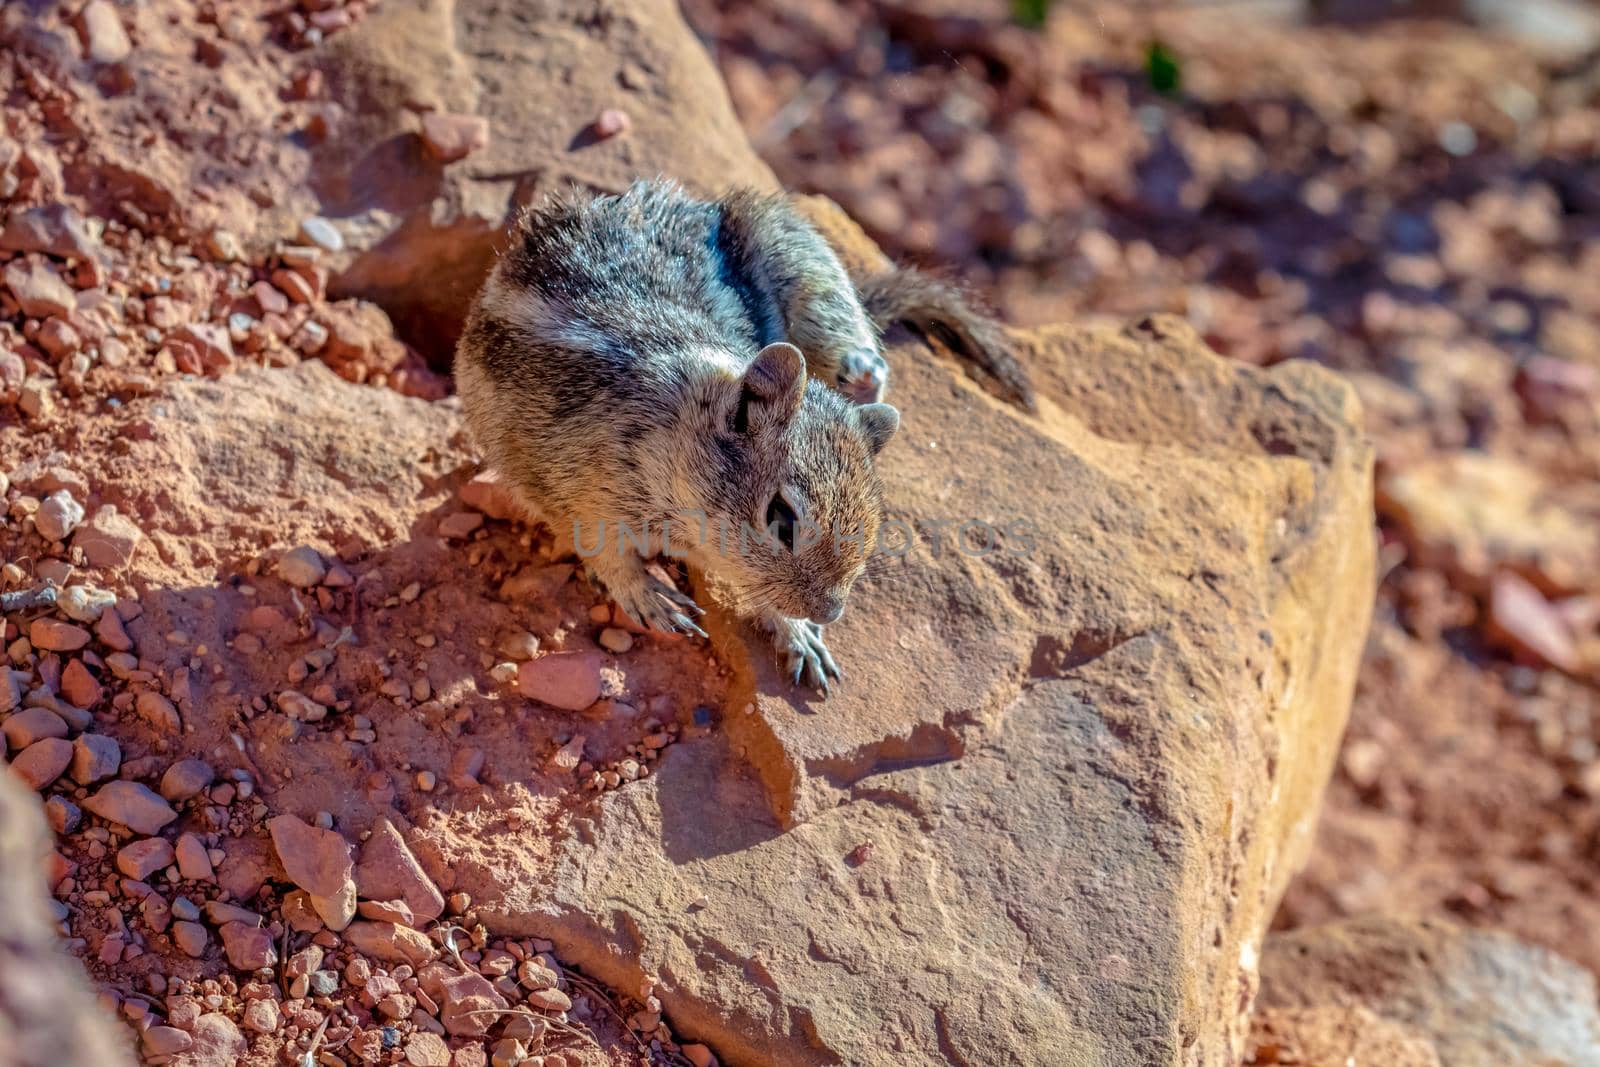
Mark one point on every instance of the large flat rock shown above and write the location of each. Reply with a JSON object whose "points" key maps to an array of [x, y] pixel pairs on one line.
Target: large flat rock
{"points": [[1084, 765]]}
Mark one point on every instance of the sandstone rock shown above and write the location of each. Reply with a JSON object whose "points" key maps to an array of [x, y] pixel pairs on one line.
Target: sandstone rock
{"points": [[1521, 618], [612, 122], [249, 948], [38, 288], [194, 863], [1110, 700], [391, 943], [53, 635], [1473, 513], [95, 757], [63, 816], [112, 633], [133, 805], [104, 38], [202, 460], [190, 937], [143, 858], [54, 229], [185, 779], [30, 725], [109, 538], [10, 689], [316, 860], [302, 567], [464, 995], [202, 347], [58, 516], [488, 495], [298, 706], [549, 999], [335, 909], [427, 1050], [567, 680], [220, 913], [164, 1041], [424, 266], [460, 526], [158, 711], [217, 1043], [261, 1015], [449, 138], [388, 870], [389, 911], [12, 374], [79, 686], [42, 762], [1422, 993]]}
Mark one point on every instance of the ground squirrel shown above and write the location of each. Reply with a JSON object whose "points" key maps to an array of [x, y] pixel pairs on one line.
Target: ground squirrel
{"points": [[700, 379]]}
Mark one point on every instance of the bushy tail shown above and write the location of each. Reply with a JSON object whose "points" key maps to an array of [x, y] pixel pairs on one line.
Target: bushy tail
{"points": [[937, 309]]}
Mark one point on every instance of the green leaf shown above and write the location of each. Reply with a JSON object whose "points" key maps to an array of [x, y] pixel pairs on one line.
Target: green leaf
{"points": [[1030, 13], [1162, 69]]}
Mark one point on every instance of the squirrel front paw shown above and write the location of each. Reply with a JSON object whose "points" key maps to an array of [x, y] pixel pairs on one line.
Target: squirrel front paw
{"points": [[805, 657], [648, 600], [863, 376]]}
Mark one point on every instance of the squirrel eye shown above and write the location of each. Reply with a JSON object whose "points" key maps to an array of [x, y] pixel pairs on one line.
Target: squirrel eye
{"points": [[781, 521]]}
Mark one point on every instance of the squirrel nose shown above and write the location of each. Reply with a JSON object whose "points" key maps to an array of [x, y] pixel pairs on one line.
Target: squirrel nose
{"points": [[828, 611]]}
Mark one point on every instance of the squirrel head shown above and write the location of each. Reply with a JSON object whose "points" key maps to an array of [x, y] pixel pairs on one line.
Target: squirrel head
{"points": [[799, 486]]}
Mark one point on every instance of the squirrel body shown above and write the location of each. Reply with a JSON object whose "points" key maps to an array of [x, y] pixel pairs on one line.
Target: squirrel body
{"points": [[700, 379]]}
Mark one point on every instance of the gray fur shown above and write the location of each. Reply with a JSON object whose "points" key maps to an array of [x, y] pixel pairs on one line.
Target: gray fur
{"points": [[626, 364]]}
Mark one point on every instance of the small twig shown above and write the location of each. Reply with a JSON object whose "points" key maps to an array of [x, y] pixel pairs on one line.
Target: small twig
{"points": [[310, 1058], [595, 990], [283, 963], [557, 1024], [28, 599]]}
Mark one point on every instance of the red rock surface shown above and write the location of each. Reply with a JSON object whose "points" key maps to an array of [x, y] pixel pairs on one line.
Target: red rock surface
{"points": [[169, 307]]}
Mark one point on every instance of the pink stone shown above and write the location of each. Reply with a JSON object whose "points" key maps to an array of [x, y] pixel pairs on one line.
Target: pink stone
{"points": [[1520, 616], [568, 680], [612, 122], [450, 137], [143, 858], [388, 870], [42, 762], [79, 686], [316, 860], [249, 948], [131, 804], [53, 635]]}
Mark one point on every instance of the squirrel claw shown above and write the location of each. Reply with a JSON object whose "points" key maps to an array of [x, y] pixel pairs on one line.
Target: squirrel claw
{"points": [[805, 657], [684, 624], [863, 376], [658, 606]]}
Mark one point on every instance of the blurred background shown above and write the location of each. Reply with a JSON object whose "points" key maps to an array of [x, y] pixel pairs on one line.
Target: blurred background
{"points": [[1408, 193]]}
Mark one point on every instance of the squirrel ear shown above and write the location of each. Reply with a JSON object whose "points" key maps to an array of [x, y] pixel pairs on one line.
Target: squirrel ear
{"points": [[773, 384], [878, 423]]}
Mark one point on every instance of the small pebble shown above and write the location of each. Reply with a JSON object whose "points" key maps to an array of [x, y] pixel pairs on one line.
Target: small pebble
{"points": [[613, 122], [302, 567], [322, 233]]}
